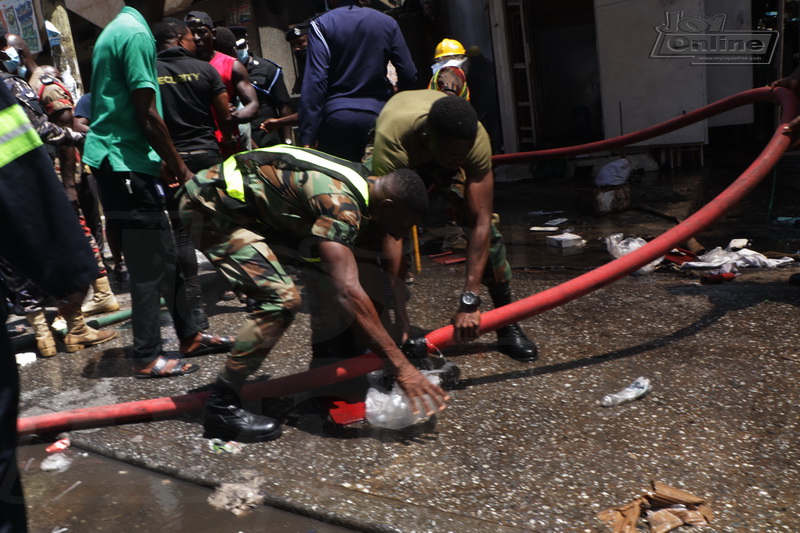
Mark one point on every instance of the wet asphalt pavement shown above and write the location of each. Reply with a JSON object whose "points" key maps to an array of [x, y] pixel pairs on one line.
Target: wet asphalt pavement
{"points": [[521, 447]]}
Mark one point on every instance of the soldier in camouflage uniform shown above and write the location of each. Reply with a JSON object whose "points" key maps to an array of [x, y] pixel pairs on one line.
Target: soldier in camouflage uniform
{"points": [[261, 209], [30, 299]]}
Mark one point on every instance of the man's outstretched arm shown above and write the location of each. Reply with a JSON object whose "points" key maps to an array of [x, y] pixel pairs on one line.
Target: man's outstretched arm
{"points": [[340, 263]]}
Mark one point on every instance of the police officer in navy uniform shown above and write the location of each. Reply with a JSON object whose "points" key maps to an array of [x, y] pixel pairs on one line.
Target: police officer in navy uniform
{"points": [[345, 85], [273, 98], [297, 37]]}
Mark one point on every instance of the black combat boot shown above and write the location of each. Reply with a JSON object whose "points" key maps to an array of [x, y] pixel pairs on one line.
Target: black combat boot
{"points": [[511, 340], [225, 419]]}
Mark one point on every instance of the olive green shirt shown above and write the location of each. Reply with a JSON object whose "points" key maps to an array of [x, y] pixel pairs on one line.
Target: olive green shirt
{"points": [[398, 136]]}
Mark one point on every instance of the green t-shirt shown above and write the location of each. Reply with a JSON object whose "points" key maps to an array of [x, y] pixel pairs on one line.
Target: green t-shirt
{"points": [[398, 136], [123, 60]]}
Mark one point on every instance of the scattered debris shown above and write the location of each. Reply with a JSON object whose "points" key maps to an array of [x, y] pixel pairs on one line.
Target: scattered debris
{"points": [[220, 446], [565, 240], [601, 201], [614, 173], [58, 462], [344, 413], [58, 446], [238, 498], [729, 261], [534, 213], [787, 221], [447, 258], [680, 256], [737, 244], [544, 228], [26, 358], [617, 246], [72, 487], [666, 508], [555, 221], [716, 279], [637, 389]]}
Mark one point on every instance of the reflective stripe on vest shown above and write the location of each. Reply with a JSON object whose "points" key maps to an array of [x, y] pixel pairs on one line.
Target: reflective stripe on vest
{"points": [[234, 181], [434, 85], [17, 135]]}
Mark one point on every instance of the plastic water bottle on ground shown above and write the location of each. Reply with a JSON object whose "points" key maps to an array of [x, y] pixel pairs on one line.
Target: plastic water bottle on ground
{"points": [[637, 389]]}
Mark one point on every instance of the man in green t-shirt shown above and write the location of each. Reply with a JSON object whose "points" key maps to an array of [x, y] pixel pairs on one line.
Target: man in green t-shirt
{"points": [[439, 136], [127, 141], [262, 208]]}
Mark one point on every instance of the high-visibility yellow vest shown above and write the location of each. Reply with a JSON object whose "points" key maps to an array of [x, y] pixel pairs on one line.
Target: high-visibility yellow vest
{"points": [[17, 134], [302, 159]]}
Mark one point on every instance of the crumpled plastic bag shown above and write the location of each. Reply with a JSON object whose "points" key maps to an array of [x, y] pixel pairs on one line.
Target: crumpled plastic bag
{"points": [[617, 246], [614, 173], [724, 261], [390, 408]]}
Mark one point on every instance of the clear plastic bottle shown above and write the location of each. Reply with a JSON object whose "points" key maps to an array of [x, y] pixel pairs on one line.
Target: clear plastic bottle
{"points": [[637, 389]]}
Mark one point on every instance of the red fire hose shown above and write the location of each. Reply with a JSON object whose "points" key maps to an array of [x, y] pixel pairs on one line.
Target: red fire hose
{"points": [[161, 408]]}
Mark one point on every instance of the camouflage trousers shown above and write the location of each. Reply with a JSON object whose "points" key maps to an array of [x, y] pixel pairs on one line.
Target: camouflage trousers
{"points": [[255, 267], [245, 259]]}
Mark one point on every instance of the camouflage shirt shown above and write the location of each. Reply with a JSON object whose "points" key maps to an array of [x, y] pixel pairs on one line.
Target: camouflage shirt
{"points": [[49, 132], [287, 199]]}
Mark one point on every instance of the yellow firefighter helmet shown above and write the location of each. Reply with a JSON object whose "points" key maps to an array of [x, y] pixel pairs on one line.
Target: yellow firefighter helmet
{"points": [[449, 47]]}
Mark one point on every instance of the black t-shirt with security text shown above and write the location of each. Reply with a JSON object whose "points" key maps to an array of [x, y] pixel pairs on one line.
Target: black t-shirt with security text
{"points": [[188, 86]]}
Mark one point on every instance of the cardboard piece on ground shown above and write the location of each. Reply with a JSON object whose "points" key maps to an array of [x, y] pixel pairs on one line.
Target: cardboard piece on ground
{"points": [[682, 508], [663, 520]]}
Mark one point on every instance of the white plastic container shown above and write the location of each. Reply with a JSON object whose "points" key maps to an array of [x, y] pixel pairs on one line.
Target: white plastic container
{"points": [[565, 240], [637, 389]]}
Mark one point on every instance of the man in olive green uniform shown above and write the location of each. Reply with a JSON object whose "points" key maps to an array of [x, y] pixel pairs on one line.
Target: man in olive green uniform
{"points": [[439, 136], [262, 208]]}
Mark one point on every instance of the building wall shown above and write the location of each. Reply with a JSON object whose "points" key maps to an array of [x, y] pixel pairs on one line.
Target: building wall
{"points": [[726, 80], [638, 90]]}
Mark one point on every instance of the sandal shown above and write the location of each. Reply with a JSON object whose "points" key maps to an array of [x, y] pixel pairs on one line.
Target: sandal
{"points": [[162, 369], [208, 343]]}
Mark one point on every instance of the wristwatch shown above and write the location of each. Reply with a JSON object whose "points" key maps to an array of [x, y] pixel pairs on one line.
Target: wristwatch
{"points": [[470, 301]]}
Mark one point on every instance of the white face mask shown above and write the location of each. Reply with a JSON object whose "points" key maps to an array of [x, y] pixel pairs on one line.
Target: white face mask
{"points": [[461, 62], [12, 64]]}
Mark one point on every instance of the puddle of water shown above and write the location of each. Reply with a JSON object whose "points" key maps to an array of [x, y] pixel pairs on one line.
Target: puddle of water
{"points": [[99, 494]]}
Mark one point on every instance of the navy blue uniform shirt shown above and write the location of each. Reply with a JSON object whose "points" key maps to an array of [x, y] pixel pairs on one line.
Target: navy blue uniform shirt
{"points": [[348, 50]]}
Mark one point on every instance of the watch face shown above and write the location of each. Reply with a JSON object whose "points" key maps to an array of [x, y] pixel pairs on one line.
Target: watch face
{"points": [[470, 299]]}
